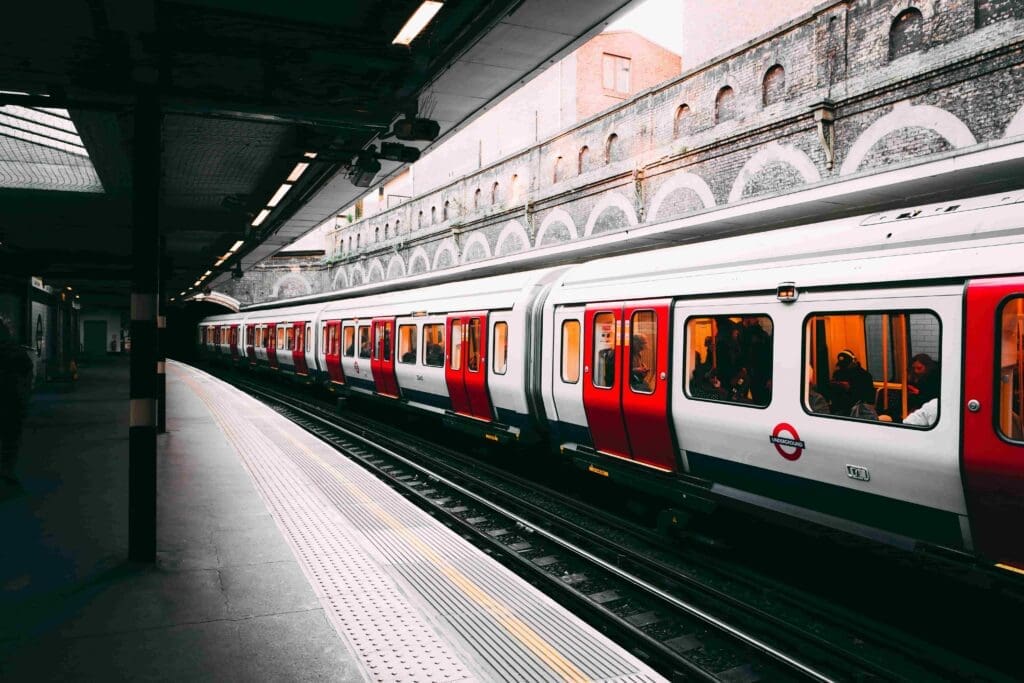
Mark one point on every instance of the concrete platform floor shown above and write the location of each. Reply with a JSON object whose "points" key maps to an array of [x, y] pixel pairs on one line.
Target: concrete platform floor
{"points": [[225, 601]]}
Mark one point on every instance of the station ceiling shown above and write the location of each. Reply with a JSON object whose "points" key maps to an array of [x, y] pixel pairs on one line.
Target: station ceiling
{"points": [[247, 88]]}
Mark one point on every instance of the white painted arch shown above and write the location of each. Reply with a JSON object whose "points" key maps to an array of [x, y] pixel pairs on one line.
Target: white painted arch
{"points": [[290, 277], [1016, 125], [773, 153], [340, 280], [447, 246], [682, 181], [609, 200], [556, 216], [906, 115], [513, 228], [375, 268], [475, 238], [357, 275], [396, 268], [419, 254]]}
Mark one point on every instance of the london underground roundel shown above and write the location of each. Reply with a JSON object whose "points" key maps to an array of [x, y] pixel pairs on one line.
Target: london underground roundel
{"points": [[786, 441]]}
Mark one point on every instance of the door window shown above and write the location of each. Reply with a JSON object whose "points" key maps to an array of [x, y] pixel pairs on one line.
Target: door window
{"points": [[456, 361], [729, 358], [642, 352], [1011, 367], [604, 350], [433, 345], [500, 361], [387, 341], [571, 351], [473, 343], [364, 341]]}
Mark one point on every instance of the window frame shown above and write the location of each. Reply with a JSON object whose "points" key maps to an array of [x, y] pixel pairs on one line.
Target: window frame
{"points": [[615, 346], [398, 354], [579, 350], [494, 349], [865, 312], [654, 369], [342, 347], [996, 357], [357, 348], [688, 350], [424, 342]]}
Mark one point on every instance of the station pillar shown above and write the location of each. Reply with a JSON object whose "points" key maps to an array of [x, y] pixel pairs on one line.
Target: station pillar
{"points": [[146, 166]]}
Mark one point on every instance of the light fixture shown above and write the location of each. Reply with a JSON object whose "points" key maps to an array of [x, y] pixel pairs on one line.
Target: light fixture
{"points": [[262, 216], [310, 155], [236, 246], [181, 293], [207, 273], [417, 22], [279, 195], [364, 169], [394, 151], [299, 169], [219, 261], [197, 283], [416, 129], [786, 292]]}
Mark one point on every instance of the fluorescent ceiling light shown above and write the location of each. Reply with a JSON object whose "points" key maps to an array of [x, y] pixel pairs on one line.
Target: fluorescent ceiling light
{"points": [[207, 273], [279, 195], [310, 155], [235, 247], [197, 283], [260, 218], [218, 262], [417, 22], [181, 293], [297, 171]]}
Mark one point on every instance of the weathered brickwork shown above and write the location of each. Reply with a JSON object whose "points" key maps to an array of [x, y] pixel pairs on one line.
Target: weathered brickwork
{"points": [[950, 77]]}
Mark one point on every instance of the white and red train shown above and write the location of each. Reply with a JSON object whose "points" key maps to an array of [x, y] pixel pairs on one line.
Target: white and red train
{"points": [[704, 373]]}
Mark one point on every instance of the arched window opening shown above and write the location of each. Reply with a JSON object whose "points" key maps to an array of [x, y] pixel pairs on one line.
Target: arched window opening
{"points": [[611, 149], [584, 161], [359, 240], [513, 188], [387, 230], [398, 224], [433, 215], [906, 34], [350, 242], [376, 234], [444, 211], [476, 199], [773, 87], [681, 125], [725, 105], [556, 172], [495, 196], [419, 220]]}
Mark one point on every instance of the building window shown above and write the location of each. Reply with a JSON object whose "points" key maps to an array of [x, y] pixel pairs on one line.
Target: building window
{"points": [[476, 199], [725, 105], [729, 358], [615, 73], [906, 34], [419, 220], [556, 171], [681, 125], [398, 224], [495, 193], [773, 87], [433, 215], [611, 149], [513, 188], [444, 212], [359, 239], [376, 234], [387, 229], [583, 160]]}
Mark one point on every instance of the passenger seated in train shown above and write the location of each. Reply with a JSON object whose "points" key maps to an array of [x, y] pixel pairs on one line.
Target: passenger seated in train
{"points": [[925, 416], [639, 371], [851, 384], [923, 383], [757, 349], [434, 354], [708, 385], [815, 401]]}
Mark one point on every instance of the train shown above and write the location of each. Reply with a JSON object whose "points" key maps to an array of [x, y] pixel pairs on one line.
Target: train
{"points": [[861, 374]]}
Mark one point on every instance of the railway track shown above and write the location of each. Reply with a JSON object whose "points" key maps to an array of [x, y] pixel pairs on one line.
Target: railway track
{"points": [[690, 616]]}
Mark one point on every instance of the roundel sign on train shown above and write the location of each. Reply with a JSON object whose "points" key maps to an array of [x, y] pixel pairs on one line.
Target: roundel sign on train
{"points": [[786, 441]]}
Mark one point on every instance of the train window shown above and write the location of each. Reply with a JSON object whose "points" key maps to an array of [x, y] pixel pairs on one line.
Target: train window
{"points": [[433, 345], [406, 343], [500, 335], [473, 345], [729, 358], [289, 338], [308, 336], [456, 360], [571, 351], [387, 341], [350, 340], [300, 338], [604, 350], [643, 357], [325, 346], [878, 366], [364, 341], [1011, 367], [280, 338]]}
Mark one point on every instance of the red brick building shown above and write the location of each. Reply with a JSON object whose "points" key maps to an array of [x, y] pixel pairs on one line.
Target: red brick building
{"points": [[615, 65]]}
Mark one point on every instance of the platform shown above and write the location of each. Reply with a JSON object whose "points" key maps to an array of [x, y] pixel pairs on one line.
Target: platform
{"points": [[277, 559]]}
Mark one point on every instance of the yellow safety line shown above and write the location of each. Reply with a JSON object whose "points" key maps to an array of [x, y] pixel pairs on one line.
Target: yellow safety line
{"points": [[498, 610]]}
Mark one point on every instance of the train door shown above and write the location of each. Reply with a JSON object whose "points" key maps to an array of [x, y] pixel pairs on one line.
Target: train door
{"points": [[250, 343], [466, 370], [383, 361], [331, 336], [645, 386], [602, 370], [271, 331], [299, 349], [566, 371], [993, 442], [234, 343]]}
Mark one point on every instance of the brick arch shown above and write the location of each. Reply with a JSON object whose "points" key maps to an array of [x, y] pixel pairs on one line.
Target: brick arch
{"points": [[290, 278], [419, 255], [925, 7], [1016, 125], [773, 153], [375, 271], [611, 199], [340, 280], [683, 181], [446, 247], [396, 268], [906, 115], [513, 230], [475, 239], [556, 216], [357, 274]]}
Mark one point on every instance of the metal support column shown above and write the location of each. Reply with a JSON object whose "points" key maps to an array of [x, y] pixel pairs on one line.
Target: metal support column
{"points": [[161, 376], [146, 167]]}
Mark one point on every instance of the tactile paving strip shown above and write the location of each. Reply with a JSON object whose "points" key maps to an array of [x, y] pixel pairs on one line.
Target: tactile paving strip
{"points": [[357, 539]]}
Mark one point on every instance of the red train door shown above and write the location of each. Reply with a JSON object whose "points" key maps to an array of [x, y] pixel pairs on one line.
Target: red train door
{"points": [[645, 390], [993, 443], [299, 348], [602, 373], [466, 368], [250, 348], [234, 342], [332, 350], [272, 345], [382, 362]]}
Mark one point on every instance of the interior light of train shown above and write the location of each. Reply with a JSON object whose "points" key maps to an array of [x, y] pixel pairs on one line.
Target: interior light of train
{"points": [[299, 169], [262, 216], [417, 22], [279, 195], [786, 292]]}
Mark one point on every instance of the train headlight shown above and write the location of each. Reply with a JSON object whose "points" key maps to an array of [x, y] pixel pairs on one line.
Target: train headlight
{"points": [[786, 292]]}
